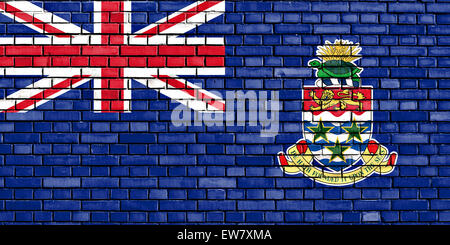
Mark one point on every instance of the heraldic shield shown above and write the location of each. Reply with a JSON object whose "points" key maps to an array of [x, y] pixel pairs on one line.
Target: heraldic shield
{"points": [[337, 124], [337, 146]]}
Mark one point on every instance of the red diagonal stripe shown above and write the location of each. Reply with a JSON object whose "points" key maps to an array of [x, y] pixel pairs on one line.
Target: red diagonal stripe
{"points": [[179, 18], [46, 93], [32, 20]]}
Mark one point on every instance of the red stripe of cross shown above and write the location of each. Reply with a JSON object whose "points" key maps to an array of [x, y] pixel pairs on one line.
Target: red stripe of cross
{"points": [[112, 89], [111, 56]]}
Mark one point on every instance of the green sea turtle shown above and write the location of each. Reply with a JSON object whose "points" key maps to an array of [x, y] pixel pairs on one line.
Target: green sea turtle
{"points": [[337, 62], [336, 69]]}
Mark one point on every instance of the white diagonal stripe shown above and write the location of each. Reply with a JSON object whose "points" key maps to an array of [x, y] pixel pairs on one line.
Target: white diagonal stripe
{"points": [[34, 89], [181, 28], [43, 15], [180, 96]]}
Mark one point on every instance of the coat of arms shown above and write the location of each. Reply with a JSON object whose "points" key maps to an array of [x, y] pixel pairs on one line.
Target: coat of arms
{"points": [[337, 148]]}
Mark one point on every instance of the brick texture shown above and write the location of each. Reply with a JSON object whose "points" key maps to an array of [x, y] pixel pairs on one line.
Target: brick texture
{"points": [[64, 163]]}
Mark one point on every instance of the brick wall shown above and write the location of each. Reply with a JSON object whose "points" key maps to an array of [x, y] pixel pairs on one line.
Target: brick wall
{"points": [[63, 163]]}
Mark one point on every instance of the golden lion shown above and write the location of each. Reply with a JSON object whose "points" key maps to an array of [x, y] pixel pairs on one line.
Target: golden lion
{"points": [[328, 101]]}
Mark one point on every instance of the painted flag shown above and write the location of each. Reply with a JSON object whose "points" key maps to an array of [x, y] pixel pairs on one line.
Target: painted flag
{"points": [[218, 111]]}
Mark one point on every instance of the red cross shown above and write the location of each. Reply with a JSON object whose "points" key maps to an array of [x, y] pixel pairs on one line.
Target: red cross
{"points": [[112, 55]]}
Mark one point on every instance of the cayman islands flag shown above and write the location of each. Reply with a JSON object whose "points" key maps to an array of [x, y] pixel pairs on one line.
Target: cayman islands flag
{"points": [[112, 44]]}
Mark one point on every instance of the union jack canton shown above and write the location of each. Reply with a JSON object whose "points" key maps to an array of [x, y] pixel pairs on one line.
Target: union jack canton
{"points": [[66, 55]]}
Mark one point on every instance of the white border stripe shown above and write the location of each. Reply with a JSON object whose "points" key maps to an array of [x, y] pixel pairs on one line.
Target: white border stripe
{"points": [[127, 21], [128, 72], [173, 72], [97, 39]]}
